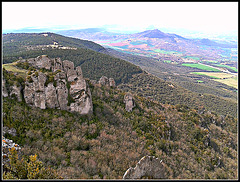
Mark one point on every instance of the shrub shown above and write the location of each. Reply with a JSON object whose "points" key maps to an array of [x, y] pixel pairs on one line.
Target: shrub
{"points": [[26, 168]]}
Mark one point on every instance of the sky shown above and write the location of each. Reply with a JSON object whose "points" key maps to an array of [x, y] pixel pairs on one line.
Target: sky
{"points": [[205, 17]]}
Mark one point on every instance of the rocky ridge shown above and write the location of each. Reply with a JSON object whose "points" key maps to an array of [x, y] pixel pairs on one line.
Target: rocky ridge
{"points": [[55, 84]]}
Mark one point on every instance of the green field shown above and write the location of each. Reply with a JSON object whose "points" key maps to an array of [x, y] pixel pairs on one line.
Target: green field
{"points": [[167, 61], [166, 52], [226, 66], [203, 73], [208, 61], [11, 67], [233, 82], [199, 66]]}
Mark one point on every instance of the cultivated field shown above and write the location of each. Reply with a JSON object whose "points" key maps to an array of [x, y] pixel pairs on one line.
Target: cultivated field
{"points": [[226, 66], [216, 75], [200, 66], [233, 82]]}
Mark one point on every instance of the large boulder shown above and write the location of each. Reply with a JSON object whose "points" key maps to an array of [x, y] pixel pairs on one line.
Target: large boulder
{"points": [[104, 81], [83, 104], [129, 102], [112, 82], [148, 167]]}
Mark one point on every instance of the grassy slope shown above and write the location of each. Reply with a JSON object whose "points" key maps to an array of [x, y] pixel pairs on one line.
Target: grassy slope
{"points": [[202, 67]]}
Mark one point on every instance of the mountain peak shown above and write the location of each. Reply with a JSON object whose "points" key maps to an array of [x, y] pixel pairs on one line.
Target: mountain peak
{"points": [[155, 33]]}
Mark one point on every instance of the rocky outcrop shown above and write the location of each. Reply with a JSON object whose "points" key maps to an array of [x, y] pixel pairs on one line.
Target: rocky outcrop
{"points": [[112, 82], [34, 91], [104, 81], [148, 167], [82, 97], [10, 131], [107, 82], [4, 89], [129, 102], [16, 91], [63, 87], [40, 62]]}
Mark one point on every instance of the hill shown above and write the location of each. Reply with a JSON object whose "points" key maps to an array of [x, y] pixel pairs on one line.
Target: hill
{"points": [[21, 42], [192, 143], [184, 84], [90, 33], [95, 64], [156, 34]]}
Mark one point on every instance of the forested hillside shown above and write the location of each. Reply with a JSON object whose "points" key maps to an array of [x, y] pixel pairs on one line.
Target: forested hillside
{"points": [[193, 133], [193, 143], [95, 64], [179, 75], [14, 44], [154, 88]]}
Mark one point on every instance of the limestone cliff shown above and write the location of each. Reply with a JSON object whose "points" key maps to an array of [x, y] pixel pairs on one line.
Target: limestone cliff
{"points": [[54, 84]]}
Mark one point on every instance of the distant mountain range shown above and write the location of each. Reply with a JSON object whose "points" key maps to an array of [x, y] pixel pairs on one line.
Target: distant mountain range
{"points": [[100, 34]]}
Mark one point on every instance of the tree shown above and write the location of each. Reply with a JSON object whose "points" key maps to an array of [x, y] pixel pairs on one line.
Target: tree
{"points": [[28, 167]]}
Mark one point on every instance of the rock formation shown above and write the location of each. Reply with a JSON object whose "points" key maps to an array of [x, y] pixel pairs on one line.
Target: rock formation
{"points": [[112, 82], [148, 167], [82, 96], [10, 131], [4, 89], [61, 87], [15, 90], [129, 103], [104, 81], [107, 82]]}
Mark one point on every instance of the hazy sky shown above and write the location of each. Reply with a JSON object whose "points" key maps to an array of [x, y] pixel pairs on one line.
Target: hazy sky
{"points": [[210, 17]]}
